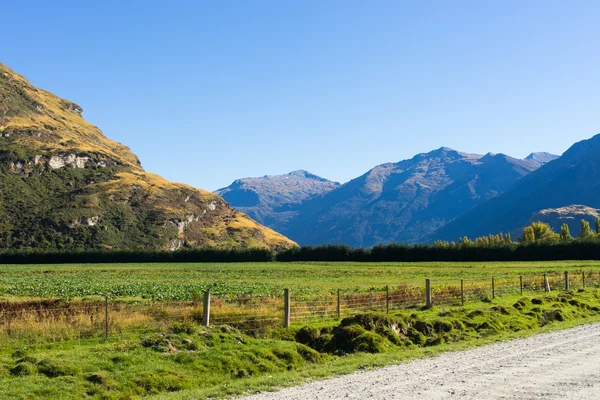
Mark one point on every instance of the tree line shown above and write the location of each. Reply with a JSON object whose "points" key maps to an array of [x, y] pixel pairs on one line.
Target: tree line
{"points": [[538, 242]]}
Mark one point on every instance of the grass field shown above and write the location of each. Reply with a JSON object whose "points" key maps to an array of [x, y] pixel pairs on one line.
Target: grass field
{"points": [[162, 281], [186, 361], [52, 321]]}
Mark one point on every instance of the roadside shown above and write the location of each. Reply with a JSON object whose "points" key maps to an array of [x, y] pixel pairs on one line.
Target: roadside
{"points": [[556, 365]]}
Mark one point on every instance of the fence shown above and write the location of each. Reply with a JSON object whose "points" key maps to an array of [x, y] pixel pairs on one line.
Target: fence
{"points": [[39, 322]]}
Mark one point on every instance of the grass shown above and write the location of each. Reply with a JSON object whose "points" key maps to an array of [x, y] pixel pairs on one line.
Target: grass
{"points": [[165, 281], [186, 361]]}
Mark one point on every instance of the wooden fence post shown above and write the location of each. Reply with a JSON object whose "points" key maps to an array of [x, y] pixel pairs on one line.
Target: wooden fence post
{"points": [[106, 318], [462, 292], [286, 308], [427, 293], [566, 280], [206, 310], [339, 305], [493, 288], [521, 283], [387, 299]]}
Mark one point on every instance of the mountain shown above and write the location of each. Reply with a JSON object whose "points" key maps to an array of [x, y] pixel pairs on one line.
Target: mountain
{"points": [[574, 178], [405, 201], [274, 199], [64, 185], [570, 215], [541, 157]]}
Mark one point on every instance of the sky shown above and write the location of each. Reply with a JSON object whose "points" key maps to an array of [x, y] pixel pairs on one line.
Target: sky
{"points": [[205, 92]]}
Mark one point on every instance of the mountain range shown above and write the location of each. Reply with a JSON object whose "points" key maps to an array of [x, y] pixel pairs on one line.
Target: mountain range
{"points": [[64, 185], [405, 201], [572, 179]]}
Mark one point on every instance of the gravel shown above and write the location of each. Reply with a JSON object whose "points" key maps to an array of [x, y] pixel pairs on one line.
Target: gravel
{"points": [[558, 365]]}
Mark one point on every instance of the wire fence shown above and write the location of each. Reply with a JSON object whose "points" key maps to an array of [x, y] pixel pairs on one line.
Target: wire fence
{"points": [[51, 321]]}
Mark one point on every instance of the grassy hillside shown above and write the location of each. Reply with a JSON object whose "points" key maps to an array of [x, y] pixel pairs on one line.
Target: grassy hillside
{"points": [[64, 185]]}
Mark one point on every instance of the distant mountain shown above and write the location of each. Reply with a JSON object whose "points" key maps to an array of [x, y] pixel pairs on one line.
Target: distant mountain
{"points": [[405, 201], [570, 215], [574, 178], [541, 157], [274, 199], [66, 186]]}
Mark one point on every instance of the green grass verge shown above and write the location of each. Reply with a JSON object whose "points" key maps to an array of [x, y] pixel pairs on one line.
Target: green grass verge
{"points": [[189, 362]]}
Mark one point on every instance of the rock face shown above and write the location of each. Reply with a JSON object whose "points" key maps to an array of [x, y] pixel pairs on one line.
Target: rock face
{"points": [[405, 201], [64, 185], [574, 178], [274, 199]]}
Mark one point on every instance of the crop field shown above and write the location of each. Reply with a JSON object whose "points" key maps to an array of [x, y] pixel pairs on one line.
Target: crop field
{"points": [[186, 281]]}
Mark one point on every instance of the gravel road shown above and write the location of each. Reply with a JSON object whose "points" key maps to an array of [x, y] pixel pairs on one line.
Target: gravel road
{"points": [[557, 365]]}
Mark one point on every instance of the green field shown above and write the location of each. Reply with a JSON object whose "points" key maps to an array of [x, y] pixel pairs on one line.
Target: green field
{"points": [[164, 281], [52, 321]]}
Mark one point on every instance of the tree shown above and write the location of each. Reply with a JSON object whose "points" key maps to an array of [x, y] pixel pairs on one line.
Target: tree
{"points": [[586, 230], [565, 234], [539, 231], [528, 235], [597, 225], [507, 239]]}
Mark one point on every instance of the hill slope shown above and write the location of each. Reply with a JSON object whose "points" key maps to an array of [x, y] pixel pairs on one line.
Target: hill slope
{"points": [[406, 201], [570, 215], [274, 199], [574, 178], [64, 185]]}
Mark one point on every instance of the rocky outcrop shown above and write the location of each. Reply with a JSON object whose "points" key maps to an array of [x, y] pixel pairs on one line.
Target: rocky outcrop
{"points": [[73, 107], [62, 161]]}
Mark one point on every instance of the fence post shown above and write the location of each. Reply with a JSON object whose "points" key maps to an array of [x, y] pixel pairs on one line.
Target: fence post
{"points": [[521, 283], [462, 292], [339, 305], [387, 299], [427, 293], [583, 279], [286, 308], [493, 288], [545, 283], [566, 280], [106, 318], [206, 310]]}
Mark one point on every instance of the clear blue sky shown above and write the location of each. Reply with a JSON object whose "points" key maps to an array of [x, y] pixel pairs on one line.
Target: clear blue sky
{"points": [[207, 92]]}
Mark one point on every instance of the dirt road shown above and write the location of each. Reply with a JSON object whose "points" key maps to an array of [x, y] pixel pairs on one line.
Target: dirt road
{"points": [[558, 365]]}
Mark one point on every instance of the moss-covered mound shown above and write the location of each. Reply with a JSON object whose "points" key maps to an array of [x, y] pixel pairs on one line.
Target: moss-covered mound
{"points": [[184, 357], [377, 333]]}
